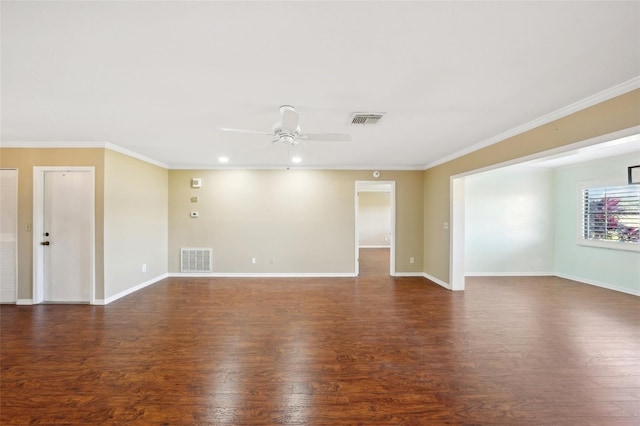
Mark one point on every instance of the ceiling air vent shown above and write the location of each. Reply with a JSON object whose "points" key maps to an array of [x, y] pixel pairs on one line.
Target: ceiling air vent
{"points": [[365, 118]]}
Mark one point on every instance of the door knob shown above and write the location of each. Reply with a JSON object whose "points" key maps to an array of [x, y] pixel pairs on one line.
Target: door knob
{"points": [[45, 243]]}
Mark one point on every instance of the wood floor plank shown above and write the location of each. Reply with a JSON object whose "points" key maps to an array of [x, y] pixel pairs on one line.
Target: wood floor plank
{"points": [[372, 350]]}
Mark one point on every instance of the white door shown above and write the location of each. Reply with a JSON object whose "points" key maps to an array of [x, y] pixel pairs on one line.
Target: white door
{"points": [[8, 234], [66, 236]]}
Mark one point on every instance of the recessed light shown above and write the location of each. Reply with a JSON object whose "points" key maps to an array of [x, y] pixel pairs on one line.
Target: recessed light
{"points": [[223, 159], [296, 159]]}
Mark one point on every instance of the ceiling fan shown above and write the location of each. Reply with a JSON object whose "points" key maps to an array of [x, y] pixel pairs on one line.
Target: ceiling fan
{"points": [[287, 130]]}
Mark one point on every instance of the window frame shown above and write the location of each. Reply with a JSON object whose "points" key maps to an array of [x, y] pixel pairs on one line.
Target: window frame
{"points": [[606, 244]]}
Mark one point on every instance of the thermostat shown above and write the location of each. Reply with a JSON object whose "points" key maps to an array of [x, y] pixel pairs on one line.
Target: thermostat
{"points": [[196, 183]]}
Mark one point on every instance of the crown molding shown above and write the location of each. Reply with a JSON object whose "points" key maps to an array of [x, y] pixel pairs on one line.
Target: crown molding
{"points": [[81, 144], [587, 102], [52, 144], [128, 152], [293, 167]]}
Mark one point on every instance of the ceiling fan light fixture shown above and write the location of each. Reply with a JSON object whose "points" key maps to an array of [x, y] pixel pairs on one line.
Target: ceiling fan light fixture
{"points": [[287, 139], [223, 159]]}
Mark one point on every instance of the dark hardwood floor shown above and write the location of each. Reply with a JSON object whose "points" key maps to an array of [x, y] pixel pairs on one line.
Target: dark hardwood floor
{"points": [[373, 351]]}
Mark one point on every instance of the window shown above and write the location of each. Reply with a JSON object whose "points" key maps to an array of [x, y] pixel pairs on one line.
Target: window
{"points": [[611, 215]]}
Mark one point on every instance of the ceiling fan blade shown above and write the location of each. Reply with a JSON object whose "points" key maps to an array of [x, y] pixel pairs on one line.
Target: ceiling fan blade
{"points": [[328, 137], [289, 119], [255, 132]]}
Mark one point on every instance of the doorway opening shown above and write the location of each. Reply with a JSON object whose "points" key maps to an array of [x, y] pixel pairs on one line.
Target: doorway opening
{"points": [[616, 143], [63, 234], [375, 224], [374, 262]]}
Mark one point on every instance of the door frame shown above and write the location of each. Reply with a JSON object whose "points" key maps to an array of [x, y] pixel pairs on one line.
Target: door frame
{"points": [[38, 228], [456, 234], [377, 186]]}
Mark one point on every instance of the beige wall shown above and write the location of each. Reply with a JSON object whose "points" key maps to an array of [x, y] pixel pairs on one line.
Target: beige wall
{"points": [[135, 222], [409, 219], [24, 160], [303, 219], [607, 117], [130, 215]]}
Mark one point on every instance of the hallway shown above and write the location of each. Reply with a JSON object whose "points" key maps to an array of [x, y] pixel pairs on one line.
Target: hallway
{"points": [[374, 262]]}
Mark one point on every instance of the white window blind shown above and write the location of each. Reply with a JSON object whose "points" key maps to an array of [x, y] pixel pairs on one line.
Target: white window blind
{"points": [[611, 214]]}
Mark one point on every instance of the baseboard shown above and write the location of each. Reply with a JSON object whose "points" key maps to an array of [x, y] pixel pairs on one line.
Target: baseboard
{"points": [[598, 284], [407, 274], [341, 275], [509, 274], [366, 247], [130, 290], [437, 281], [263, 275]]}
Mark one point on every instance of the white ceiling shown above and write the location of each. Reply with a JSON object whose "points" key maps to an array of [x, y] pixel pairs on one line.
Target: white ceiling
{"points": [[160, 78]]}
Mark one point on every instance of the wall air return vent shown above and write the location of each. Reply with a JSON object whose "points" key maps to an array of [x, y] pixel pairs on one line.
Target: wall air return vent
{"points": [[366, 118], [196, 260]]}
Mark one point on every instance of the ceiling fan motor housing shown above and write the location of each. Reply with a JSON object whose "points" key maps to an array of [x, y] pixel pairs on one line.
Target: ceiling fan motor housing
{"points": [[288, 138], [287, 130]]}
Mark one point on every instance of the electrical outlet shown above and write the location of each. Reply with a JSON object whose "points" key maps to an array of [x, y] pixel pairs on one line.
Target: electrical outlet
{"points": [[445, 225], [253, 260], [412, 260], [144, 267]]}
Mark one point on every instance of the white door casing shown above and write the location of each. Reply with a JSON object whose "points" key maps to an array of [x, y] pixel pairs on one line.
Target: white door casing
{"points": [[456, 236]]}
